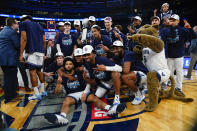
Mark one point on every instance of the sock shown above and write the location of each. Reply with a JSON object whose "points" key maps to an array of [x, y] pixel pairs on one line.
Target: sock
{"points": [[36, 90], [42, 87], [107, 107], [63, 114], [117, 97]]}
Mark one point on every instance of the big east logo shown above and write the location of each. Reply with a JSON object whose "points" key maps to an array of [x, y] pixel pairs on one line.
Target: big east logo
{"points": [[99, 113]]}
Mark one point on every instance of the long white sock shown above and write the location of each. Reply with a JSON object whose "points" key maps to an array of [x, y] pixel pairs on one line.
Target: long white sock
{"points": [[117, 97], [36, 90], [42, 87], [63, 114], [107, 107]]}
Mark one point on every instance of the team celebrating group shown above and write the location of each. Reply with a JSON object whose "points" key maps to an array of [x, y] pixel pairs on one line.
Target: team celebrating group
{"points": [[87, 69]]}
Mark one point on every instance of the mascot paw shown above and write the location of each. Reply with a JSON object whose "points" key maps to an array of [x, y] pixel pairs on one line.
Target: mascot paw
{"points": [[150, 108]]}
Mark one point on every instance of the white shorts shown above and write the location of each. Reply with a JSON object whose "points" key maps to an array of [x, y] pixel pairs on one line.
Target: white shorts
{"points": [[165, 74], [34, 60], [76, 96], [103, 88]]}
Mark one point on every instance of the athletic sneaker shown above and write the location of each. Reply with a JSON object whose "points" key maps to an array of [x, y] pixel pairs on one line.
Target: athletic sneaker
{"points": [[56, 119], [35, 97], [187, 77], [116, 109], [44, 94], [178, 92], [139, 96]]}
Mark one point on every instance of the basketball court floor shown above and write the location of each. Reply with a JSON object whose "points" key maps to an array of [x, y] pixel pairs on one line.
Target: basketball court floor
{"points": [[171, 115]]}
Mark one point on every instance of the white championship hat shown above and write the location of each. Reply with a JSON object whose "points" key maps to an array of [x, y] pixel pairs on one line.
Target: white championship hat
{"points": [[61, 23], [165, 4], [87, 49], [78, 52], [174, 16], [138, 18], [118, 43], [67, 23], [23, 16], [155, 17], [92, 18], [108, 19], [77, 22], [59, 54]]}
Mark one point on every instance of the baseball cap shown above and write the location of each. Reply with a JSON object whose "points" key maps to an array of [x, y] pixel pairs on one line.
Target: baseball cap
{"points": [[155, 17], [77, 22], [92, 18], [59, 54], [108, 19], [118, 43], [61, 24], [67, 23], [174, 16], [138, 18], [23, 17], [96, 27], [87, 49], [78, 52], [165, 4]]}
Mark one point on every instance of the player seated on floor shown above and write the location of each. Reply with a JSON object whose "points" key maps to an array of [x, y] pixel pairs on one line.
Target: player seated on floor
{"points": [[103, 73], [134, 71], [77, 90], [50, 71]]}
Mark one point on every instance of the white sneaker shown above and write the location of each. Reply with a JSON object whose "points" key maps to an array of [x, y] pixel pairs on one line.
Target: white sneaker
{"points": [[35, 97], [139, 96], [116, 109], [56, 119]]}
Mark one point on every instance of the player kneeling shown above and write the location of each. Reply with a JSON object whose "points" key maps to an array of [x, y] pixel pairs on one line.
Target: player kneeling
{"points": [[77, 91]]}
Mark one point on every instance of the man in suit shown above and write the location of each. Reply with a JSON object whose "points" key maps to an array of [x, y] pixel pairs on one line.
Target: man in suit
{"points": [[9, 56]]}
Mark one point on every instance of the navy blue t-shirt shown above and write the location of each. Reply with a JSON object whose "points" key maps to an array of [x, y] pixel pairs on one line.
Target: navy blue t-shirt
{"points": [[75, 37], [125, 40], [76, 85], [35, 34], [104, 40], [110, 34], [53, 67], [162, 37], [136, 64], [99, 75], [66, 43], [176, 37]]}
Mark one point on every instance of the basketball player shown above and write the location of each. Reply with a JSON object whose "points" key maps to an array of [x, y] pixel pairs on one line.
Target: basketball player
{"points": [[103, 73], [134, 71], [33, 42]]}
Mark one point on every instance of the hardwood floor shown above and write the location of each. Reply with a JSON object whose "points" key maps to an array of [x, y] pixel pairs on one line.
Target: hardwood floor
{"points": [[171, 115]]}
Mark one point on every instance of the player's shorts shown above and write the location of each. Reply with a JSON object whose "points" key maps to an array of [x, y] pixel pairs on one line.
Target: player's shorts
{"points": [[164, 74], [103, 87], [76, 96], [141, 78], [34, 60]]}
